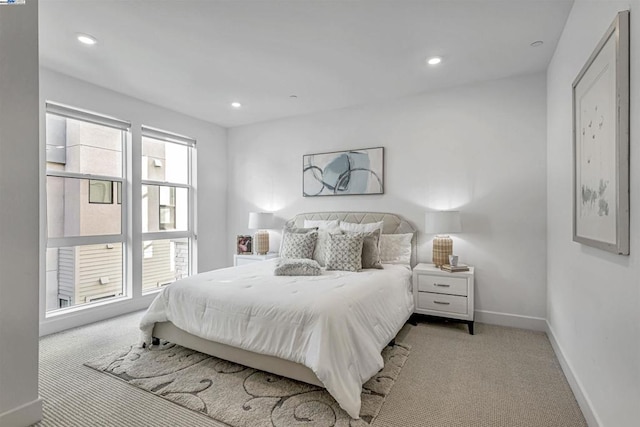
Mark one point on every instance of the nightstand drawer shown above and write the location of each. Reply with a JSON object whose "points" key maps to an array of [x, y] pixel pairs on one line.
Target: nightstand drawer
{"points": [[440, 284], [440, 302]]}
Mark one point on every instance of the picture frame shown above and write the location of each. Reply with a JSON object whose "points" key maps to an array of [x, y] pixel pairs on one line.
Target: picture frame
{"points": [[244, 244], [343, 173], [601, 143]]}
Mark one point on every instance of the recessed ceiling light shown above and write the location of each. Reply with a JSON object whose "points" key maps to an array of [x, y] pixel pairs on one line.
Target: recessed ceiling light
{"points": [[236, 105], [293, 96], [434, 61], [537, 43], [86, 39]]}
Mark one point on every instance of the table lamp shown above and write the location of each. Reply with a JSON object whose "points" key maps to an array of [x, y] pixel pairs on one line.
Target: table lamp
{"points": [[260, 221], [441, 223]]}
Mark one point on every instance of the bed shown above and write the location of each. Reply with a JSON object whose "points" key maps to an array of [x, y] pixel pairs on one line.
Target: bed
{"points": [[327, 330]]}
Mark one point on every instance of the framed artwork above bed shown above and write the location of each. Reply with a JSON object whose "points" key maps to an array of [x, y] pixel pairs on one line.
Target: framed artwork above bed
{"points": [[601, 143], [342, 173]]}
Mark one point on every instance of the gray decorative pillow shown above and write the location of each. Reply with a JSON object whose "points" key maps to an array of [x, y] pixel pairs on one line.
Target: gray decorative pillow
{"points": [[299, 230], [371, 250], [320, 253], [344, 252], [298, 245], [297, 267]]}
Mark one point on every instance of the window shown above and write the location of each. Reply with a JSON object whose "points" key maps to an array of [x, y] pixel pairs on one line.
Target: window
{"points": [[85, 236], [167, 207], [100, 191]]}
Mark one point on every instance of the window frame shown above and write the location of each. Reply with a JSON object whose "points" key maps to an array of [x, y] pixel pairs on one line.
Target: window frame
{"points": [[76, 241], [93, 182], [190, 234]]}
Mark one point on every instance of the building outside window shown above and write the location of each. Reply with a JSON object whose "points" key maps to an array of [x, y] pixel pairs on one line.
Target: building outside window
{"points": [[167, 207], [88, 259], [85, 258]]}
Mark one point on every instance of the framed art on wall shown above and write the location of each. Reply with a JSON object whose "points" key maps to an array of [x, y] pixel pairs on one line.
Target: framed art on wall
{"points": [[342, 173], [601, 143]]}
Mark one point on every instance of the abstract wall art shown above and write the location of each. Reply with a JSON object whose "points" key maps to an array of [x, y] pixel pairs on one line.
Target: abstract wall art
{"points": [[342, 173], [601, 143]]}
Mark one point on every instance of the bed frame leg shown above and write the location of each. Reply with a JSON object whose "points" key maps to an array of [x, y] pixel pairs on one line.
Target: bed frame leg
{"points": [[155, 341]]}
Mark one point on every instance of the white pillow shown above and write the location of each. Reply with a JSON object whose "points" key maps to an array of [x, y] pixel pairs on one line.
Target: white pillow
{"points": [[361, 228], [395, 248], [321, 223]]}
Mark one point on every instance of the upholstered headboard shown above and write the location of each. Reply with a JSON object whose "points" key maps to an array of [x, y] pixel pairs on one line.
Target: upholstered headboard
{"points": [[392, 223]]}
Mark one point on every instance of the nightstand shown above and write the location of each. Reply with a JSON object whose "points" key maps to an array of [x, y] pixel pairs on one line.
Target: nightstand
{"points": [[443, 294], [249, 258]]}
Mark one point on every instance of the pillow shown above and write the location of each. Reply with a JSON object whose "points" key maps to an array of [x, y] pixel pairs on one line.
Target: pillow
{"points": [[371, 250], [396, 248], [294, 230], [321, 223], [296, 267], [320, 252], [298, 245], [361, 228], [344, 252], [299, 230]]}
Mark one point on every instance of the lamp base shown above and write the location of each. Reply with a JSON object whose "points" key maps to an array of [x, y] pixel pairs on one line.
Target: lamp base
{"points": [[442, 248], [261, 242]]}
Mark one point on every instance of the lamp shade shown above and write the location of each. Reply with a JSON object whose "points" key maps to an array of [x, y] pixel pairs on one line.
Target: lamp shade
{"points": [[260, 220], [441, 222]]}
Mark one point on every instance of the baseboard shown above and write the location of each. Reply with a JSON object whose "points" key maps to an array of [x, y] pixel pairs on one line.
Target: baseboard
{"points": [[89, 315], [582, 399], [23, 416], [511, 320]]}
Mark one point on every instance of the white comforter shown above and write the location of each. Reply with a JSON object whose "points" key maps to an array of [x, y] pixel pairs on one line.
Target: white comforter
{"points": [[336, 324]]}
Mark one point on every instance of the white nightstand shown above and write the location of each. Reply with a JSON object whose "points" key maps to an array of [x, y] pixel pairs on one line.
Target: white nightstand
{"points": [[249, 258], [443, 294]]}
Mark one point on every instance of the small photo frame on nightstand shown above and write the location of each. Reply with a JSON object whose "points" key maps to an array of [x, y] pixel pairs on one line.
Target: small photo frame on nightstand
{"points": [[244, 244]]}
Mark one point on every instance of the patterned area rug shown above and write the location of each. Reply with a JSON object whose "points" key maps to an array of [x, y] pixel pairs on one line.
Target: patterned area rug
{"points": [[242, 396]]}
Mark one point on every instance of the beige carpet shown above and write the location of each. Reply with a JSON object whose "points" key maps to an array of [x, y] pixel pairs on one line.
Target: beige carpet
{"points": [[241, 396], [500, 377]]}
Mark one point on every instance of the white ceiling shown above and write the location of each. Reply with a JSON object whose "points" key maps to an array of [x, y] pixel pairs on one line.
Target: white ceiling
{"points": [[197, 56]]}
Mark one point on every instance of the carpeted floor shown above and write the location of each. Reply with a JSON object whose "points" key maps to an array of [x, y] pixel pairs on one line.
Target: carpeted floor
{"points": [[500, 377], [240, 396]]}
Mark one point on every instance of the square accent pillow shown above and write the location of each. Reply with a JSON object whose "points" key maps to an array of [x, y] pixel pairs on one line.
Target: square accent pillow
{"points": [[344, 252], [294, 230], [299, 230], [320, 253], [396, 248], [298, 245], [371, 250]]}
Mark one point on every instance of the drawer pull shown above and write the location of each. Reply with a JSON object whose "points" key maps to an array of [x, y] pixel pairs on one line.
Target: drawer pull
{"points": [[441, 302], [442, 285]]}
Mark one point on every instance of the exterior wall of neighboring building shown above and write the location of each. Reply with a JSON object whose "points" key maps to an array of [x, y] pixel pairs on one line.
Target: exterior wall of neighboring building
{"points": [[81, 207]]}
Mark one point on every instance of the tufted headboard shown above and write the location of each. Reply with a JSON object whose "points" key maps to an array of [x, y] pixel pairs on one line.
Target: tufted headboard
{"points": [[392, 223]]}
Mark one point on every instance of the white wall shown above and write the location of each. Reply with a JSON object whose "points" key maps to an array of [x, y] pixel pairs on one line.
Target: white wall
{"points": [[19, 401], [479, 148], [211, 181], [593, 296]]}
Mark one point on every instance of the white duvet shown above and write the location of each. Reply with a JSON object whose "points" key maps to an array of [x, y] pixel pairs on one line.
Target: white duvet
{"points": [[336, 323]]}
